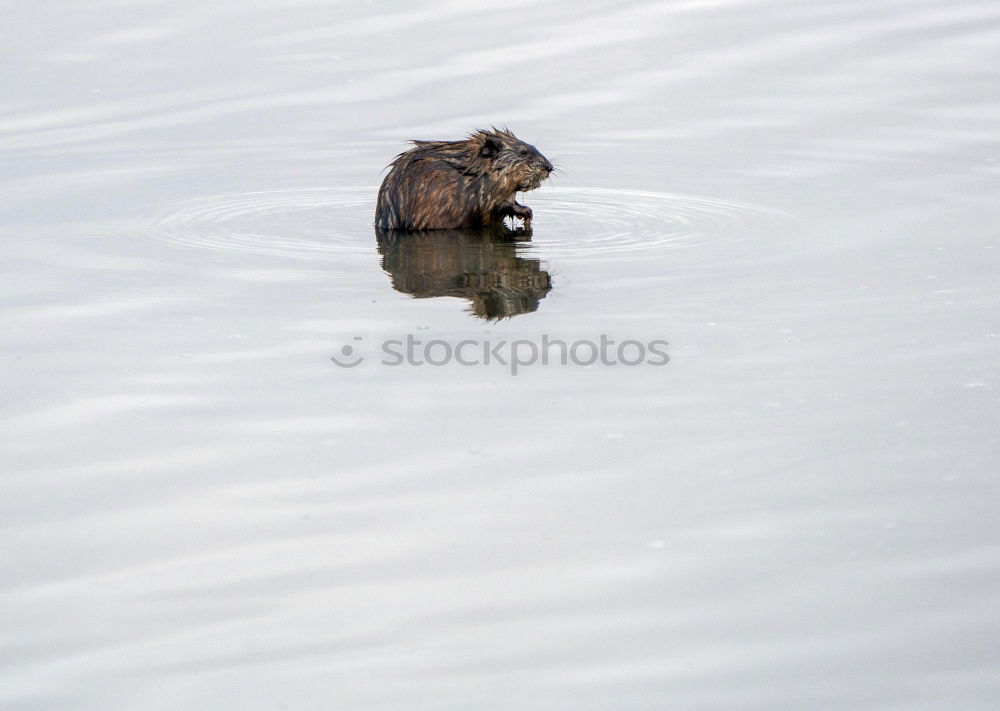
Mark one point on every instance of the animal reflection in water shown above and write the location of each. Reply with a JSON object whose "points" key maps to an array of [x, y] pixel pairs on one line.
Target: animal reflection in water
{"points": [[480, 264]]}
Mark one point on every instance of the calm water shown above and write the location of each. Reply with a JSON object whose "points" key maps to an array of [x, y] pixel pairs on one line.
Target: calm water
{"points": [[794, 508]]}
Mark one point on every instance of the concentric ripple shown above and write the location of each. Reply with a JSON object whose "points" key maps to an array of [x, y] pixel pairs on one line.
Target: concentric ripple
{"points": [[598, 221], [297, 223], [570, 222]]}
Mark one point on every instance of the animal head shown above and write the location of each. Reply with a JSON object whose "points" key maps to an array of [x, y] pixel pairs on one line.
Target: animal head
{"points": [[514, 164]]}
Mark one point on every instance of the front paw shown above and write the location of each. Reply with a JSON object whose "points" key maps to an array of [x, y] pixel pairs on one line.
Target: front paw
{"points": [[522, 211], [514, 210]]}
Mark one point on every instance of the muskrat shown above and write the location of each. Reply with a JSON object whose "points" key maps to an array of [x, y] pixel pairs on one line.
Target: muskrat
{"points": [[454, 184]]}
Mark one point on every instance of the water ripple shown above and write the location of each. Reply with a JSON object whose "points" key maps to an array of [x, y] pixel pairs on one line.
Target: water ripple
{"points": [[294, 223], [570, 222], [578, 222]]}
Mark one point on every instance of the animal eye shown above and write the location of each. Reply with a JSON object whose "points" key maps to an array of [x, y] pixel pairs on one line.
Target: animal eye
{"points": [[524, 151]]}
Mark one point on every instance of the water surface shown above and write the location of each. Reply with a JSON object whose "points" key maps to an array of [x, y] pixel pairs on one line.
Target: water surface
{"points": [[203, 510]]}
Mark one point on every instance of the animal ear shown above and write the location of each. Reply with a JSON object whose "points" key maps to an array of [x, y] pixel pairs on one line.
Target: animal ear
{"points": [[491, 146]]}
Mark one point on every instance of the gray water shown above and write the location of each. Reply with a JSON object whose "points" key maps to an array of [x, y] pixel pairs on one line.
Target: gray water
{"points": [[793, 508]]}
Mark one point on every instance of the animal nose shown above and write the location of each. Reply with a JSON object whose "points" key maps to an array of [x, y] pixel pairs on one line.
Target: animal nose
{"points": [[548, 166]]}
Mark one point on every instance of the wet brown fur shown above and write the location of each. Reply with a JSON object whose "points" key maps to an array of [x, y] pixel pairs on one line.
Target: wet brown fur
{"points": [[455, 184]]}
